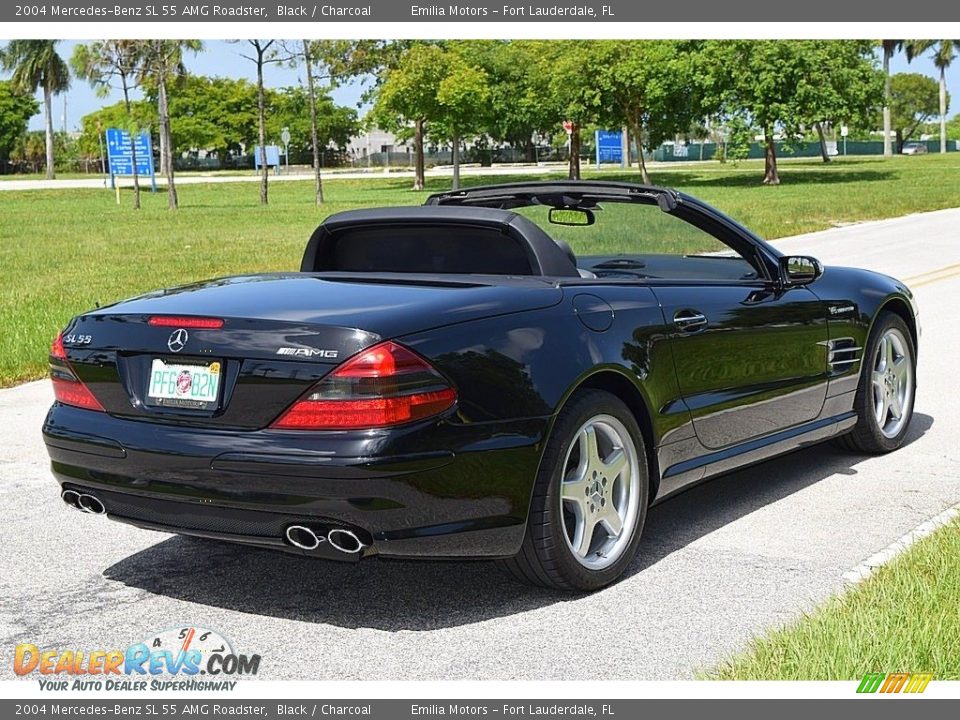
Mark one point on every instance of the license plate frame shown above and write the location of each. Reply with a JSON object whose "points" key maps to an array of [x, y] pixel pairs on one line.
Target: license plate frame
{"points": [[184, 384]]}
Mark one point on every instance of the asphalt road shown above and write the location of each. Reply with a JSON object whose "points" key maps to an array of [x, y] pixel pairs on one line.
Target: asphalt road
{"points": [[719, 564]]}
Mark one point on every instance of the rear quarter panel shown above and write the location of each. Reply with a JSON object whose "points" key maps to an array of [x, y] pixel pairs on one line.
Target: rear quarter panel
{"points": [[527, 364]]}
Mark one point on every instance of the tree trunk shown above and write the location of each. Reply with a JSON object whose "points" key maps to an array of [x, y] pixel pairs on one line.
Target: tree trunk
{"points": [[887, 98], [48, 109], [134, 131], [574, 169], [419, 182], [641, 161], [456, 161], [943, 110], [166, 143], [823, 143], [900, 141], [529, 153], [314, 134], [262, 130], [163, 143], [770, 175]]}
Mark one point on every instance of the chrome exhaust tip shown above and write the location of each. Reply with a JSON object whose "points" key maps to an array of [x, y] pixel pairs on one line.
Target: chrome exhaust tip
{"points": [[71, 498], [303, 537], [345, 541], [90, 504]]}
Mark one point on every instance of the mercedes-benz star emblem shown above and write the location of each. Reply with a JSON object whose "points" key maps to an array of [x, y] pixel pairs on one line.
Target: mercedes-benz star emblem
{"points": [[178, 340]]}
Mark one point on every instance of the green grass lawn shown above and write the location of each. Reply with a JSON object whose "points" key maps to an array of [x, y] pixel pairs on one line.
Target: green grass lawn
{"points": [[904, 618], [63, 251]]}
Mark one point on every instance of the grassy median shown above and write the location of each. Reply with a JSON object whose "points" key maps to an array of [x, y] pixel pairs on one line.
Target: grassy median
{"points": [[904, 618], [63, 251]]}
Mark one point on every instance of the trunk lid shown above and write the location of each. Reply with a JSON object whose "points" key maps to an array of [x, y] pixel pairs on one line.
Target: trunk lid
{"points": [[280, 335]]}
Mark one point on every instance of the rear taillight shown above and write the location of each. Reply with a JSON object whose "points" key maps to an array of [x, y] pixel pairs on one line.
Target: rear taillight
{"points": [[382, 386], [67, 387]]}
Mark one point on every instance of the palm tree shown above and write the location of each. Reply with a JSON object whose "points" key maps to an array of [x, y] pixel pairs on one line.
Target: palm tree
{"points": [[161, 66], [890, 48], [944, 53], [36, 64]]}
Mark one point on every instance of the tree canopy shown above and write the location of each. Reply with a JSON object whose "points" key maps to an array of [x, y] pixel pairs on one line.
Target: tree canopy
{"points": [[16, 109]]}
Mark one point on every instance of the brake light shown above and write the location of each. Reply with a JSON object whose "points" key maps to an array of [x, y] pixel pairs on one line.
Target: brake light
{"points": [[67, 387], [205, 323], [382, 386]]}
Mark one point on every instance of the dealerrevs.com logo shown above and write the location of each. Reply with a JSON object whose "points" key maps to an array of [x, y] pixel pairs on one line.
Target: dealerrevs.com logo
{"points": [[180, 658]]}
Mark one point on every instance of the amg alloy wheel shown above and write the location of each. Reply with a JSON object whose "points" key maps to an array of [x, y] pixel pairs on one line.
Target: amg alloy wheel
{"points": [[590, 500], [599, 492], [888, 386]]}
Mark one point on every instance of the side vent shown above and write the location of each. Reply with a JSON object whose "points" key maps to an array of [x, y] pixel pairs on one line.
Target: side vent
{"points": [[843, 354]]}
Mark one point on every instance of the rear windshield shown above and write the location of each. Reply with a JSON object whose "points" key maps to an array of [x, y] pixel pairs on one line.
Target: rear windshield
{"points": [[425, 249]]}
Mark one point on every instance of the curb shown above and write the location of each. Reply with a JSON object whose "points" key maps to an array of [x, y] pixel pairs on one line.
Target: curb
{"points": [[865, 569]]}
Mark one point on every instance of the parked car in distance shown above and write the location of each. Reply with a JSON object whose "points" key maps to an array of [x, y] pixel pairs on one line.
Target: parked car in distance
{"points": [[914, 148]]}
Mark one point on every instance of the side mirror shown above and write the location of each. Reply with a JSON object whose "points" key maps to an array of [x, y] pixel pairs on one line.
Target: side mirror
{"points": [[799, 269], [571, 216]]}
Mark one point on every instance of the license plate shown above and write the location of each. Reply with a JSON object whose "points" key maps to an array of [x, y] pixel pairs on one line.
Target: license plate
{"points": [[183, 385]]}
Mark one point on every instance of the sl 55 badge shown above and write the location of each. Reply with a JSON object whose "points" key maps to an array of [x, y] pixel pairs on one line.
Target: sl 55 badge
{"points": [[308, 352]]}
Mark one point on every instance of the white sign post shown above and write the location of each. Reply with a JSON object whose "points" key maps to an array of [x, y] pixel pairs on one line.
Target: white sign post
{"points": [[844, 131], [285, 136]]}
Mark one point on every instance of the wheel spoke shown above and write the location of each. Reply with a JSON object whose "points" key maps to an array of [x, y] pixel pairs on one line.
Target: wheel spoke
{"points": [[574, 493], [901, 368], [877, 378], [588, 447], [611, 521], [881, 364], [896, 406], [879, 404], [615, 464], [583, 537], [890, 354]]}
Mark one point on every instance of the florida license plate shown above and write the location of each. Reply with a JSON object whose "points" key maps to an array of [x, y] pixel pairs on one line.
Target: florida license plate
{"points": [[183, 385]]}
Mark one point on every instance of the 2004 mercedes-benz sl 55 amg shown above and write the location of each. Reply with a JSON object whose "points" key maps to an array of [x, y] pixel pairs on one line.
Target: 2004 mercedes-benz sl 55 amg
{"points": [[452, 380]]}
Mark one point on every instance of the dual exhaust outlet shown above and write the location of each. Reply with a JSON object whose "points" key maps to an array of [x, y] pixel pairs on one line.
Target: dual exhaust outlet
{"points": [[341, 539], [84, 502]]}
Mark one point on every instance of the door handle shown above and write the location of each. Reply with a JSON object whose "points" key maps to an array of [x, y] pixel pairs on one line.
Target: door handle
{"points": [[689, 321]]}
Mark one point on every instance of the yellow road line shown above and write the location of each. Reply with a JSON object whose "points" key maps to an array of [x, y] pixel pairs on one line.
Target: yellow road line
{"points": [[930, 278], [922, 276]]}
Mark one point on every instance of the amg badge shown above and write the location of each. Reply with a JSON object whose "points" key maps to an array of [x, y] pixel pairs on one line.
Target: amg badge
{"points": [[308, 352]]}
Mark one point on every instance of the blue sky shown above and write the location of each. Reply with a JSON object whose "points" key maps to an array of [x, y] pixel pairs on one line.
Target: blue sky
{"points": [[223, 58]]}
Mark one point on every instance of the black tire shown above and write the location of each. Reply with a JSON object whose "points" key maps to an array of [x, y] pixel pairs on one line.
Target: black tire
{"points": [[545, 558], [867, 436]]}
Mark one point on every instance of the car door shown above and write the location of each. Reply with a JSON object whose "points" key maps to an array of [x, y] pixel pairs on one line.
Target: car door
{"points": [[750, 358]]}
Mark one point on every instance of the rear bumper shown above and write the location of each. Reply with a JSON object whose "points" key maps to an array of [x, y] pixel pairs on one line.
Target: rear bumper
{"points": [[434, 489]]}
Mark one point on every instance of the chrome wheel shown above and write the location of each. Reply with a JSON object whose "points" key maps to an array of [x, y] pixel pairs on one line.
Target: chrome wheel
{"points": [[892, 383], [599, 492]]}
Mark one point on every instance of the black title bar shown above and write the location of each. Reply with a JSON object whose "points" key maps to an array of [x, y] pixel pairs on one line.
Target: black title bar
{"points": [[392, 11]]}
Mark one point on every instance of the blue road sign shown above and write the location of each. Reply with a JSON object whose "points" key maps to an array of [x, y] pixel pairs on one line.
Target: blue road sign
{"points": [[273, 157], [120, 155], [609, 146]]}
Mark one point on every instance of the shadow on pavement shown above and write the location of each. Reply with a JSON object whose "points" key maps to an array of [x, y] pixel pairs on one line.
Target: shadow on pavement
{"points": [[393, 595]]}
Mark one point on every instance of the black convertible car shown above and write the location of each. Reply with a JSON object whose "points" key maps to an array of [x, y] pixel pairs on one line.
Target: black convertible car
{"points": [[452, 380]]}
